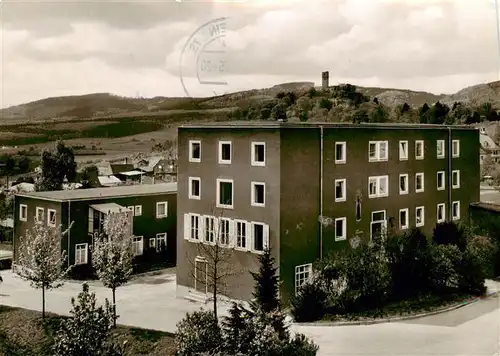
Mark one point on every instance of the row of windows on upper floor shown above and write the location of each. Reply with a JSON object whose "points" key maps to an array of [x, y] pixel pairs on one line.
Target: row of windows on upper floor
{"points": [[378, 151]]}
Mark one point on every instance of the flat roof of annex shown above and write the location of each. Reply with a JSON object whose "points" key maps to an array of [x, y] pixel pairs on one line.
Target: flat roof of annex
{"points": [[314, 125]]}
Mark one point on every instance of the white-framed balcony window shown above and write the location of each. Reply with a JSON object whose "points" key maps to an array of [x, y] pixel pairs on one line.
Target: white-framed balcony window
{"points": [[455, 152], [455, 179], [403, 150], [161, 209], [419, 182], [378, 186], [441, 216], [210, 228], [440, 149], [137, 245], [161, 241], [225, 193], [455, 210], [242, 238], [225, 231], [340, 152], [260, 237], [378, 151], [225, 154], [303, 275], [23, 212], [81, 254], [195, 151], [192, 227], [419, 149], [258, 154], [404, 219], [403, 184], [419, 216], [194, 188], [258, 194], [51, 217], [40, 212], [340, 229], [137, 210], [340, 190], [441, 181]]}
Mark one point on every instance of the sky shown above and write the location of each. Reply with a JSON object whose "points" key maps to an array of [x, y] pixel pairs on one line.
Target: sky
{"points": [[203, 48]]}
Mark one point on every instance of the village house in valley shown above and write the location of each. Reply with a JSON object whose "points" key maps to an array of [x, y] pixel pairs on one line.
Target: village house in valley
{"points": [[307, 189], [153, 208]]}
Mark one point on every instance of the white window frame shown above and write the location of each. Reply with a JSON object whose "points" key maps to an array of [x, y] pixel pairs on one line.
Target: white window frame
{"points": [[152, 243], [443, 187], [403, 156], [303, 275], [188, 227], [377, 180], [237, 244], [253, 195], [378, 157], [140, 241], [256, 163], [457, 173], [223, 239], [441, 206], [403, 225], [162, 236], [225, 161], [190, 188], [21, 217], [78, 247], [265, 232], [455, 153], [218, 204], [407, 184], [344, 229], [417, 209], [210, 236], [443, 152], [50, 222], [343, 159], [191, 158], [38, 208], [137, 210], [457, 205], [162, 216], [422, 189], [344, 190], [421, 143]]}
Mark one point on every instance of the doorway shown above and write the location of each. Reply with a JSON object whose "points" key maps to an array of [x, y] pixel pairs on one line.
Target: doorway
{"points": [[378, 225], [200, 274]]}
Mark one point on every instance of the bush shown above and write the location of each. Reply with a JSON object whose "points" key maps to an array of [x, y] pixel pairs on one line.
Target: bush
{"points": [[486, 251], [444, 262], [310, 303], [449, 233], [198, 332]]}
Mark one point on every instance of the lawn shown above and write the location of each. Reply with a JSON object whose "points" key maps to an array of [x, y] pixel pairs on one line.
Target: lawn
{"points": [[22, 332]]}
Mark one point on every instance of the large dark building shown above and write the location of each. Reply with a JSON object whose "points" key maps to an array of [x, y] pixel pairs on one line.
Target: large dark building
{"points": [[153, 208], [306, 189]]}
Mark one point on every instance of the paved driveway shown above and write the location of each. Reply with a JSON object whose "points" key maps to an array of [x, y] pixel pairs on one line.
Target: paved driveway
{"points": [[150, 302]]}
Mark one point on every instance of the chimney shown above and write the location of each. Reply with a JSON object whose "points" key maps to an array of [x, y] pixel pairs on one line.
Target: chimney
{"points": [[125, 160], [325, 76]]}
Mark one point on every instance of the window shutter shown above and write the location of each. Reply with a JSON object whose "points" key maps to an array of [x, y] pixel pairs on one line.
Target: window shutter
{"points": [[141, 245], [217, 232], [251, 236], [202, 225], [266, 236], [232, 237], [186, 227], [246, 232], [91, 220]]}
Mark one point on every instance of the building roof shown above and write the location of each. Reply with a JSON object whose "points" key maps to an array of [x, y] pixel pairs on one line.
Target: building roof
{"points": [[107, 192], [131, 173], [109, 208], [119, 168], [108, 180], [23, 187], [487, 142], [487, 206], [283, 125]]}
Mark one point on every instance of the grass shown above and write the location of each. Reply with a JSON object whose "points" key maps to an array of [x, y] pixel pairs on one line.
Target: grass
{"points": [[22, 332]]}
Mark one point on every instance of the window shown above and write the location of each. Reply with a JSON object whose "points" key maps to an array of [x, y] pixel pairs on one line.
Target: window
{"points": [[194, 151], [258, 154], [419, 182], [137, 245], [51, 217], [152, 243], [23, 212], [440, 149], [378, 151], [192, 226], [138, 210], [455, 148], [340, 152], [419, 216], [161, 209], [404, 220], [81, 254], [358, 208], [455, 210], [194, 188], [225, 227], [455, 178], [441, 183], [378, 186], [440, 213], [258, 194], [209, 233], [403, 184], [303, 275], [225, 193], [39, 214], [403, 150], [340, 229], [260, 237], [225, 152], [340, 190], [419, 149], [241, 235], [161, 241]]}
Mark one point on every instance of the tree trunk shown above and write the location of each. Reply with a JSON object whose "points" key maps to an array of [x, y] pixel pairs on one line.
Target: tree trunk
{"points": [[43, 302], [215, 290], [215, 302], [114, 307]]}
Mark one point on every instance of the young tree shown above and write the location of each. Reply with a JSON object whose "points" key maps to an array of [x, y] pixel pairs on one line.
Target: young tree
{"points": [[266, 284], [88, 330], [57, 165], [41, 261], [112, 253], [88, 177]]}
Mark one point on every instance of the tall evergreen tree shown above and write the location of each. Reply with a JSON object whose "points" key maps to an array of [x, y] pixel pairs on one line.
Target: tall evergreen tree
{"points": [[266, 284]]}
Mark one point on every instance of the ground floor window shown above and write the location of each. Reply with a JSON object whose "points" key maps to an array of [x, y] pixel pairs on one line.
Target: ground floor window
{"points": [[161, 241], [303, 274], [81, 254], [137, 245]]}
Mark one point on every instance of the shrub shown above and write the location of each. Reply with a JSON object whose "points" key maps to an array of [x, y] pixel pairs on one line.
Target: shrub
{"points": [[486, 251], [444, 262], [198, 332], [310, 303], [449, 233]]}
